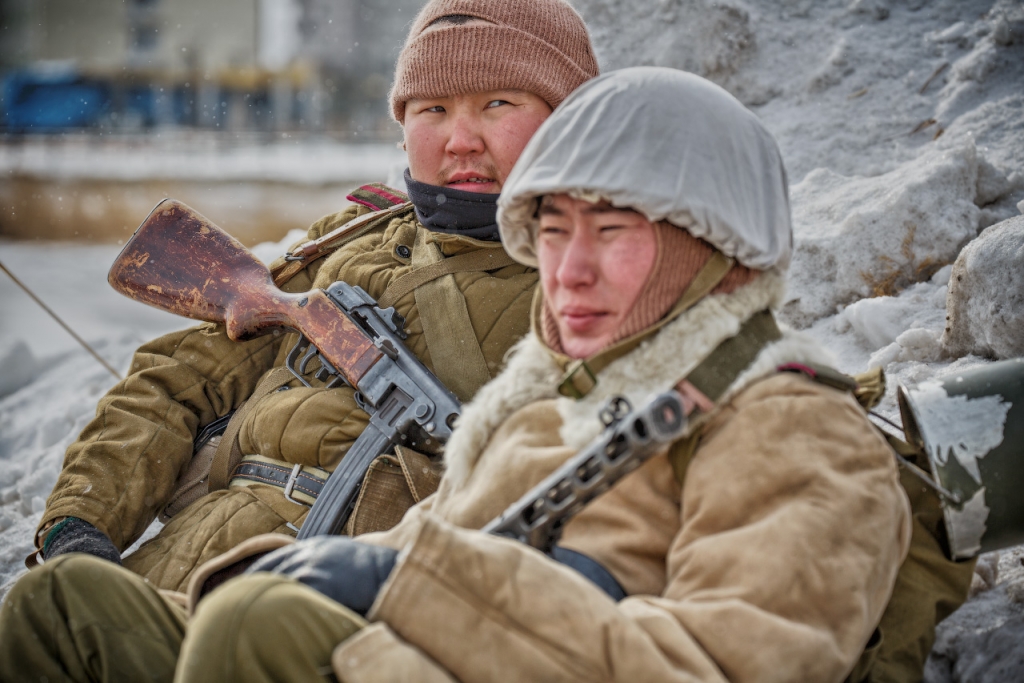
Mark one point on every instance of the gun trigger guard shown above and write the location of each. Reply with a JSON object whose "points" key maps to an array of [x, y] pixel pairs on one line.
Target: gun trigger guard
{"points": [[292, 361], [363, 405]]}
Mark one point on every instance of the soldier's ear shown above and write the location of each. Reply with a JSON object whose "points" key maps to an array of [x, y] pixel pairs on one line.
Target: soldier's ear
{"points": [[401, 145]]}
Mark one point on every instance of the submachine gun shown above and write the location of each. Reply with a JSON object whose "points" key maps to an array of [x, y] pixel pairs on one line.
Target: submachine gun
{"points": [[180, 262], [629, 439]]}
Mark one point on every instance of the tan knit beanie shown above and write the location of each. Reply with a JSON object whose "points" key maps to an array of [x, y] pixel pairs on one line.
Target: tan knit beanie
{"points": [[540, 46], [680, 256]]}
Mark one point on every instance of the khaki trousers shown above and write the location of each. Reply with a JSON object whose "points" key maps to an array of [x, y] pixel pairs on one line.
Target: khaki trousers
{"points": [[78, 618]]}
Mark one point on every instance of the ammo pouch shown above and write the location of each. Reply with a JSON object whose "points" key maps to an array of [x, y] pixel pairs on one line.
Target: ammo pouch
{"points": [[393, 484]]}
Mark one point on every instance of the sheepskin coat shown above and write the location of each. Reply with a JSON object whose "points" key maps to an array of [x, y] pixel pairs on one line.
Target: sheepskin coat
{"points": [[772, 560]]}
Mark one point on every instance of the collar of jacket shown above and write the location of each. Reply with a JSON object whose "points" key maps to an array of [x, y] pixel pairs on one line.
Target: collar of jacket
{"points": [[655, 364], [442, 209]]}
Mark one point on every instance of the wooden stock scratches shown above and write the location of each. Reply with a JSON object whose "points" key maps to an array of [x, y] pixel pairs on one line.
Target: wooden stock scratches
{"points": [[341, 342], [180, 262]]}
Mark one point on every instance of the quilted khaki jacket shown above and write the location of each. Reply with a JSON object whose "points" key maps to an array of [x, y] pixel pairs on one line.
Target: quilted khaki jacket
{"points": [[772, 561], [122, 469]]}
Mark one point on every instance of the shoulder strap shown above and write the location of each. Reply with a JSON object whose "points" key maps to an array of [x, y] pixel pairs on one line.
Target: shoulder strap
{"points": [[298, 258], [474, 261], [718, 371], [228, 453], [708, 382], [378, 196], [447, 328], [867, 387]]}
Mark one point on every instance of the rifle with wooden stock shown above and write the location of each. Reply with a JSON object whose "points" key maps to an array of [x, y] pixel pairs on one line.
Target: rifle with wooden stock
{"points": [[180, 262]]}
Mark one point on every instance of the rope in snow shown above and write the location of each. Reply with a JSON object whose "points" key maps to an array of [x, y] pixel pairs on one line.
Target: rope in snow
{"points": [[53, 315]]}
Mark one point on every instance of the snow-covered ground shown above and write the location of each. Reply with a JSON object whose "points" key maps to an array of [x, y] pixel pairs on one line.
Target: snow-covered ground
{"points": [[902, 125], [184, 155]]}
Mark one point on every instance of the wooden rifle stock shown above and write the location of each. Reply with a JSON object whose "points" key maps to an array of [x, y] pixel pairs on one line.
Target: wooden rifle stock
{"points": [[180, 262]]}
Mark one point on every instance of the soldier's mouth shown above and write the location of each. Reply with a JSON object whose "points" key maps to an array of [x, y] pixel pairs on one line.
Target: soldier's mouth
{"points": [[472, 182]]}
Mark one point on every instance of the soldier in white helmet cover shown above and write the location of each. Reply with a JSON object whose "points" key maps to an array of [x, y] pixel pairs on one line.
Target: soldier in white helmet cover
{"points": [[761, 545]]}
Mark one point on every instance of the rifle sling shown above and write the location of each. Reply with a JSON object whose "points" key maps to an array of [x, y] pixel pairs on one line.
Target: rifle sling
{"points": [[716, 373], [229, 454], [301, 256], [475, 261], [448, 330]]}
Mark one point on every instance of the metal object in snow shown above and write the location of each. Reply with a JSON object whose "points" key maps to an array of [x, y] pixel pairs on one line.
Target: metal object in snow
{"points": [[971, 428]]}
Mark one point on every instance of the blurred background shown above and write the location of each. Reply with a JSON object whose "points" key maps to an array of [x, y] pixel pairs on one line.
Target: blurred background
{"points": [[262, 114]]}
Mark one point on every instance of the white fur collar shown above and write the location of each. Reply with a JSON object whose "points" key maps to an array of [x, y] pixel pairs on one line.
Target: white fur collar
{"points": [[656, 365]]}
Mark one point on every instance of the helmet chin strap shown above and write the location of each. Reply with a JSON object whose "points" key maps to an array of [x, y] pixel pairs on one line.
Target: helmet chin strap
{"points": [[713, 272], [581, 374]]}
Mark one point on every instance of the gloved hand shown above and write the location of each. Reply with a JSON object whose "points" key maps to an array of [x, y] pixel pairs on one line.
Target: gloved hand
{"points": [[591, 569], [74, 535], [344, 570]]}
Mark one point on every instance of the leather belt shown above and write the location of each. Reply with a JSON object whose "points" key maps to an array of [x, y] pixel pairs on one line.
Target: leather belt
{"points": [[301, 483]]}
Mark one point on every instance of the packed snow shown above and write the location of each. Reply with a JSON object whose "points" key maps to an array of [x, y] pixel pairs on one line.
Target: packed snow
{"points": [[196, 157], [902, 126]]}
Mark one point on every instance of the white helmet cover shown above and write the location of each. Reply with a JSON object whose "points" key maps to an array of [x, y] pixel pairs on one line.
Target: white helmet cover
{"points": [[668, 144]]}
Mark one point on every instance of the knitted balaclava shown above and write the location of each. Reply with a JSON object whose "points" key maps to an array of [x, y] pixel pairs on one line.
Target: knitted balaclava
{"points": [[678, 259], [540, 46]]}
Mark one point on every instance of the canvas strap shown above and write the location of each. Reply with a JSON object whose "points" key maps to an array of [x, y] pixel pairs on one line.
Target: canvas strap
{"points": [[229, 454], [707, 383], [480, 260], [455, 352], [718, 371]]}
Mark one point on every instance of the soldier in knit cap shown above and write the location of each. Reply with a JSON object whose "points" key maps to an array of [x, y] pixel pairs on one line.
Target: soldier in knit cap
{"points": [[761, 542], [473, 82]]}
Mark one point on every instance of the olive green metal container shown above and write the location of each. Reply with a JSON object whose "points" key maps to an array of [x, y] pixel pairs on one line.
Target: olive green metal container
{"points": [[971, 427]]}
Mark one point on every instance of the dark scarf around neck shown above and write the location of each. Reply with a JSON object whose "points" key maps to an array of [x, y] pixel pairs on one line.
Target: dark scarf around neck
{"points": [[457, 212]]}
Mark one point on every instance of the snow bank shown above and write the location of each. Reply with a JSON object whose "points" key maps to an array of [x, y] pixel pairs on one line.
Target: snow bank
{"points": [[986, 296], [18, 366], [37, 423], [860, 237], [52, 397], [903, 328], [982, 640]]}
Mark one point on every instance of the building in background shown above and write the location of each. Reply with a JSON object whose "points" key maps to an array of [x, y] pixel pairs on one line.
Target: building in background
{"points": [[234, 65]]}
